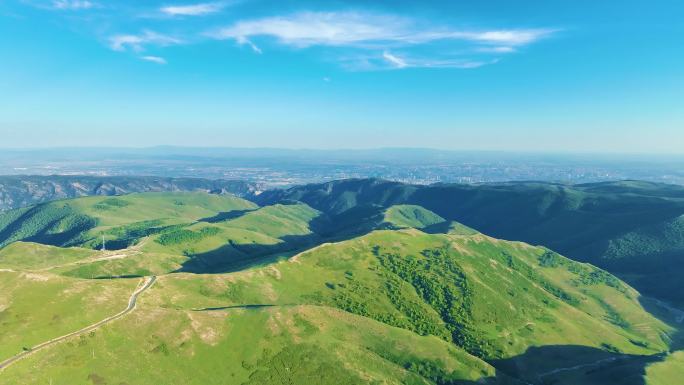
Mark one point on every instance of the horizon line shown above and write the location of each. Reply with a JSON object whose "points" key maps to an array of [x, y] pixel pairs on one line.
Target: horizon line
{"points": [[360, 149]]}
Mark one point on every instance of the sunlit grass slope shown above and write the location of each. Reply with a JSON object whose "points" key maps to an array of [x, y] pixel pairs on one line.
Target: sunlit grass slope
{"points": [[411, 216], [495, 299], [670, 371], [210, 245], [123, 220], [38, 306], [32, 256], [259, 346]]}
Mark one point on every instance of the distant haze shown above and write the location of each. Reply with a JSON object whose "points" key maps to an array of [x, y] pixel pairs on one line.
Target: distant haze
{"points": [[274, 167]]}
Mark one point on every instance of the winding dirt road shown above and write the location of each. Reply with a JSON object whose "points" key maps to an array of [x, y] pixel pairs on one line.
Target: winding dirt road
{"points": [[132, 301]]}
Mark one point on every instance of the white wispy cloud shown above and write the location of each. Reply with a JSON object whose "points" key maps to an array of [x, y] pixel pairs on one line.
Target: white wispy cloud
{"points": [[245, 41], [400, 62], [200, 9], [496, 49], [154, 59], [383, 33], [365, 29], [314, 28], [72, 4], [394, 60], [454, 63], [138, 42], [368, 40]]}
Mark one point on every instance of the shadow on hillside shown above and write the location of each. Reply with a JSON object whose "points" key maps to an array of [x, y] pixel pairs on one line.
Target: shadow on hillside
{"points": [[572, 364], [248, 307], [234, 256], [354, 222], [566, 365], [47, 236], [225, 216], [670, 315], [438, 228], [125, 276], [560, 364]]}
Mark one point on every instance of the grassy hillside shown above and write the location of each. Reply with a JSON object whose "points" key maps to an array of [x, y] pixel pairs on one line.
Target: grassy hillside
{"points": [[123, 220], [631, 228], [667, 371], [294, 345], [411, 216], [38, 306], [287, 293], [184, 231], [226, 245], [394, 307], [224, 241], [416, 280], [27, 255]]}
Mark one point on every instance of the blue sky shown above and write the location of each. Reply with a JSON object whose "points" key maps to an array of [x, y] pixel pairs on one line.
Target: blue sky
{"points": [[545, 75]]}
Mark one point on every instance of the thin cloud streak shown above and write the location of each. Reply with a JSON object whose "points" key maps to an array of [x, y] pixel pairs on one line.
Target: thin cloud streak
{"points": [[396, 61], [245, 41], [137, 42], [402, 62], [192, 9], [154, 59], [500, 49], [72, 4]]}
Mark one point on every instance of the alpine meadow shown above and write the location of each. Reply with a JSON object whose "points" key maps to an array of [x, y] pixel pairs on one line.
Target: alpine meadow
{"points": [[295, 192]]}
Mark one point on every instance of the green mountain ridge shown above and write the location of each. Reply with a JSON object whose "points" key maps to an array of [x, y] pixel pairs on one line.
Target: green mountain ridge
{"points": [[630, 228], [287, 292]]}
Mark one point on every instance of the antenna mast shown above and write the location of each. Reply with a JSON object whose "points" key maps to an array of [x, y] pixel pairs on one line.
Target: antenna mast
{"points": [[104, 248]]}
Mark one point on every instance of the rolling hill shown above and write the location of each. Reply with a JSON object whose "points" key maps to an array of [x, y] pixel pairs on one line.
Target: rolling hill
{"points": [[633, 229], [289, 293]]}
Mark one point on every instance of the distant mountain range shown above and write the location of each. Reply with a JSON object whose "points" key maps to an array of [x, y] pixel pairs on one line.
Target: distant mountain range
{"points": [[21, 190]]}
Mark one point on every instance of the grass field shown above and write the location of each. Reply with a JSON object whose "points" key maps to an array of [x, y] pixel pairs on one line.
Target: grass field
{"points": [[299, 344], [34, 256], [38, 306]]}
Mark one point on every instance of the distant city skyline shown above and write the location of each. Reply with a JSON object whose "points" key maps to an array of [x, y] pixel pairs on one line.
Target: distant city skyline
{"points": [[552, 76], [284, 167]]}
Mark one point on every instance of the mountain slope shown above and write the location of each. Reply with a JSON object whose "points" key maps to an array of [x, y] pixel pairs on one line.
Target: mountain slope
{"points": [[631, 228], [262, 346], [395, 306], [121, 219]]}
